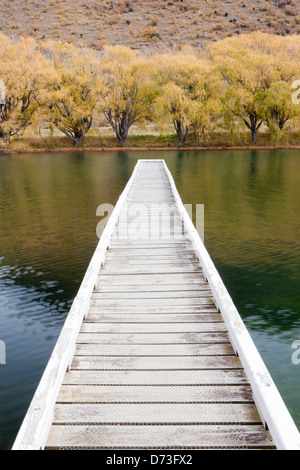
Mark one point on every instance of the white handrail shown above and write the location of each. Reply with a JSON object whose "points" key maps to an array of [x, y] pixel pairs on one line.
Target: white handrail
{"points": [[37, 422], [269, 402]]}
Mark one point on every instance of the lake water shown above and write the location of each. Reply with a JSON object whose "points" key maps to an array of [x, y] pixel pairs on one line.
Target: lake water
{"points": [[48, 225]]}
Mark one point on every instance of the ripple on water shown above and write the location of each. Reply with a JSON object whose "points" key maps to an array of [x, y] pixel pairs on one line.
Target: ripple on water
{"points": [[48, 225]]}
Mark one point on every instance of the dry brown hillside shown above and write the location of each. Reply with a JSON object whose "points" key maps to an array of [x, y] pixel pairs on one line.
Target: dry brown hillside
{"points": [[149, 26]]}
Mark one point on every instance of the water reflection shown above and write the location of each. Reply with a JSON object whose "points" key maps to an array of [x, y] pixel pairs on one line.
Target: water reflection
{"points": [[48, 225]]}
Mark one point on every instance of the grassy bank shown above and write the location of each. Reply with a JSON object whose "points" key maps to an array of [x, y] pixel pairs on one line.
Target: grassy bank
{"points": [[140, 142]]}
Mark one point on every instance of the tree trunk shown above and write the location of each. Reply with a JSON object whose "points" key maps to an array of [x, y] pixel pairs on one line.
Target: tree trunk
{"points": [[120, 124], [77, 139], [254, 134], [77, 134], [122, 131], [181, 130], [254, 125]]}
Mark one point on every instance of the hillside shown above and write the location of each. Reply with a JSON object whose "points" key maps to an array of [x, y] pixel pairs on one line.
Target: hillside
{"points": [[147, 26]]}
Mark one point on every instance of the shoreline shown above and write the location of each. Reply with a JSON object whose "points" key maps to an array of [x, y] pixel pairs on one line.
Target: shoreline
{"points": [[140, 149]]}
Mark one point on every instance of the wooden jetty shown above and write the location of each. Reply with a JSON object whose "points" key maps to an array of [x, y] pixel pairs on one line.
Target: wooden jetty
{"points": [[153, 353]]}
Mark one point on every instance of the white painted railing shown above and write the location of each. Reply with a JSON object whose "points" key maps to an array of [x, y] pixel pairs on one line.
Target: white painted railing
{"points": [[37, 422], [269, 402]]}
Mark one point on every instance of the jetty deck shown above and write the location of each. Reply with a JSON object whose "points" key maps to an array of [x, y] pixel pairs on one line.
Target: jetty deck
{"points": [[153, 354]]}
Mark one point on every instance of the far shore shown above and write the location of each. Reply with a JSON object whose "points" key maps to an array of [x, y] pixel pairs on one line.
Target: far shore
{"points": [[140, 149], [146, 142]]}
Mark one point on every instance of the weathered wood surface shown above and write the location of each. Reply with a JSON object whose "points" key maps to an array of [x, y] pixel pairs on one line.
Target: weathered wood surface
{"points": [[155, 394], [154, 350], [163, 437]]}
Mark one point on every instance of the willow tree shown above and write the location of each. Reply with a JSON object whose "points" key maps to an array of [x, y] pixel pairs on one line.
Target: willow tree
{"points": [[123, 95], [246, 76], [206, 107], [174, 102], [249, 66], [278, 108], [20, 75], [184, 93], [70, 95]]}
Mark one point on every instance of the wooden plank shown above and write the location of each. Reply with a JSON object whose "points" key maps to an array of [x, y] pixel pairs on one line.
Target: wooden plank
{"points": [[145, 191], [148, 242], [154, 338], [149, 328], [156, 394], [156, 413], [202, 304], [147, 250], [165, 377], [154, 349], [138, 257], [152, 295], [148, 302], [153, 223], [149, 201], [149, 214], [155, 363], [191, 305], [106, 288], [155, 192], [163, 269], [167, 246], [153, 279], [151, 264], [145, 213], [164, 437], [161, 295], [146, 258], [96, 315], [158, 261], [156, 310]]}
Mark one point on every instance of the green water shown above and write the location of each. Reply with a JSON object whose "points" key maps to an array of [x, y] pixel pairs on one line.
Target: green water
{"points": [[48, 225]]}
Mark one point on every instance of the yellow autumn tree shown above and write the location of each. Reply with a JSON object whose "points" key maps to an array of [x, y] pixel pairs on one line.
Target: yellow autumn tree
{"points": [[70, 93], [247, 80], [278, 109], [184, 93], [250, 65], [20, 76], [206, 110], [123, 93]]}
